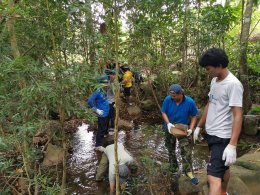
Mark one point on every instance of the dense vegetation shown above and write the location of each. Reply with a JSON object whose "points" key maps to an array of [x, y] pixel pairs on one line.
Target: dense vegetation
{"points": [[52, 51]]}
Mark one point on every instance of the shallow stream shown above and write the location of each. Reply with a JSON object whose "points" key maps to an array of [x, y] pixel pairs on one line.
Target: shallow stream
{"points": [[146, 144]]}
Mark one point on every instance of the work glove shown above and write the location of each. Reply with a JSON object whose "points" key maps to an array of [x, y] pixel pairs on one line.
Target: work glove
{"points": [[196, 134], [169, 126], [189, 132], [230, 155], [99, 112]]}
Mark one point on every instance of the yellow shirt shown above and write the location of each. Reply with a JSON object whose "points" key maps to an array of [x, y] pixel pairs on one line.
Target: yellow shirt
{"points": [[127, 79]]}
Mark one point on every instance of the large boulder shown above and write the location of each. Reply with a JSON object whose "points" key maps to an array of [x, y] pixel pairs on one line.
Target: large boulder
{"points": [[148, 105], [237, 187], [146, 90], [250, 161], [134, 111], [123, 124], [251, 124]]}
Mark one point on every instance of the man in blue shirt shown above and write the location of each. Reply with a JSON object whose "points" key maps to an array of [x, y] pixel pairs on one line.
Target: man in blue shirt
{"points": [[177, 109], [99, 103]]}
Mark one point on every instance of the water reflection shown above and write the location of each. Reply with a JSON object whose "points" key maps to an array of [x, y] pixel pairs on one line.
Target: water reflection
{"points": [[84, 160]]}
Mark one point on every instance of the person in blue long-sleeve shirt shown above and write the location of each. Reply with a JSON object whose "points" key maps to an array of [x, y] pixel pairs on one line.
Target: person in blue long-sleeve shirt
{"points": [[99, 103]]}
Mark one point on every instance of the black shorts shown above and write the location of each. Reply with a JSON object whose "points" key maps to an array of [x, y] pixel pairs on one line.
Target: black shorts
{"points": [[216, 166]]}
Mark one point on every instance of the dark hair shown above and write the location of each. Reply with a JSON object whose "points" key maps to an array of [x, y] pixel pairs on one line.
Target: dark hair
{"points": [[125, 68], [108, 142], [214, 57]]}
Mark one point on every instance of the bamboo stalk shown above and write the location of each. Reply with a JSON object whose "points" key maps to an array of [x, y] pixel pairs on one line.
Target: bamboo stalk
{"points": [[116, 100], [64, 146]]}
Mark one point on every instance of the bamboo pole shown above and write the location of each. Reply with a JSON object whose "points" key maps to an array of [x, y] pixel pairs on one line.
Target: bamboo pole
{"points": [[116, 99]]}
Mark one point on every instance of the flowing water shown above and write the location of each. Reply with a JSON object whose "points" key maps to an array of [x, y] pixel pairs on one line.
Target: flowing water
{"points": [[146, 144]]}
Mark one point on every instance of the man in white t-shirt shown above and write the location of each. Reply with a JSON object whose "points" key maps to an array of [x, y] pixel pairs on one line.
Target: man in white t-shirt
{"points": [[108, 159], [222, 117]]}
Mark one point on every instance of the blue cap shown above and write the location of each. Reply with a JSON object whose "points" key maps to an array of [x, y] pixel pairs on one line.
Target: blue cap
{"points": [[176, 88]]}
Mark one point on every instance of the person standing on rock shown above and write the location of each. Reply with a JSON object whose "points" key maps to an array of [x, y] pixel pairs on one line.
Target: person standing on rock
{"points": [[127, 82], [177, 108], [223, 117], [99, 103]]}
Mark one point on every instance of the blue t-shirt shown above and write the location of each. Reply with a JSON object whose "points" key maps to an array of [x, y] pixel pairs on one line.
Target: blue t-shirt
{"points": [[98, 100], [180, 113]]}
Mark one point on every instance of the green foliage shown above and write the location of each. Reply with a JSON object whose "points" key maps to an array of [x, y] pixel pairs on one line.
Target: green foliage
{"points": [[60, 43], [255, 109], [244, 145]]}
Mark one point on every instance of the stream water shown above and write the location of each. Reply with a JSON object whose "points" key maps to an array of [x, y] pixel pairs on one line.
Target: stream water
{"points": [[84, 160]]}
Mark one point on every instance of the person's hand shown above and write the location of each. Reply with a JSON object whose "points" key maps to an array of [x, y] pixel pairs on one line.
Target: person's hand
{"points": [[114, 105], [189, 132], [230, 155], [99, 112], [169, 126], [196, 134]]}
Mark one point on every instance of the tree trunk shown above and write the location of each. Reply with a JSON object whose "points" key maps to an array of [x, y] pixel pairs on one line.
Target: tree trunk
{"points": [[184, 38], [116, 98], [198, 44], [243, 55], [10, 27]]}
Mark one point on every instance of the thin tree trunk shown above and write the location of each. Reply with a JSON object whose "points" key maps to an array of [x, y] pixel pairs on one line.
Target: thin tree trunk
{"points": [[10, 27], [64, 147], [243, 55], [185, 37], [116, 99], [198, 46]]}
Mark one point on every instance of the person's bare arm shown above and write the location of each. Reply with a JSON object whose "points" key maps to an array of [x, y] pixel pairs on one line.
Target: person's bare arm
{"points": [[111, 188], [237, 124], [204, 116], [193, 122], [165, 118]]}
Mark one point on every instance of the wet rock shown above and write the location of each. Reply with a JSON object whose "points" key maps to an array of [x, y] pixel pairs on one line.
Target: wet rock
{"points": [[53, 155], [251, 124]]}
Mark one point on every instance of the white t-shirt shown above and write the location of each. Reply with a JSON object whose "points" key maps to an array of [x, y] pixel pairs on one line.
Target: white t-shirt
{"points": [[222, 96], [123, 157]]}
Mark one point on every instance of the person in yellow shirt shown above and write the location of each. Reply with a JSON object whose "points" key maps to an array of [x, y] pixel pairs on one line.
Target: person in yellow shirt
{"points": [[127, 82]]}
